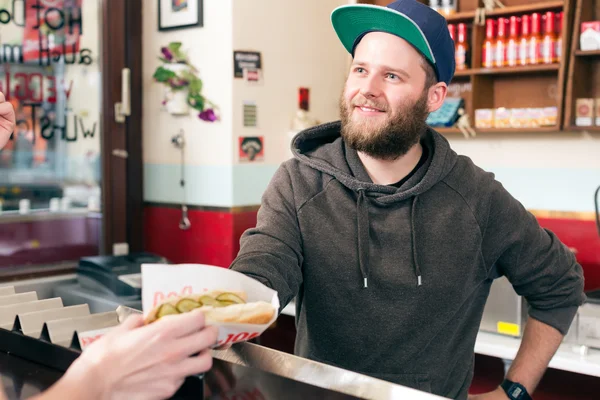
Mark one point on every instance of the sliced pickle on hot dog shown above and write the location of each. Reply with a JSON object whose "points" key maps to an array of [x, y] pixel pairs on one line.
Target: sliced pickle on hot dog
{"points": [[208, 301], [167, 309], [230, 297], [185, 305], [224, 303]]}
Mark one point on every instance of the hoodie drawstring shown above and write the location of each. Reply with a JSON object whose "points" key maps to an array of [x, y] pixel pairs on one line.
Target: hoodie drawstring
{"points": [[413, 231], [362, 219]]}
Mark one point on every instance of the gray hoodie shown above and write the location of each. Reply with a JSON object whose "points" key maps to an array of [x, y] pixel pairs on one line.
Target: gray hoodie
{"points": [[391, 282]]}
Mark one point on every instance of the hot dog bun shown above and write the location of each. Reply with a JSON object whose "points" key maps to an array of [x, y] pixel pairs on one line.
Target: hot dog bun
{"points": [[258, 312], [231, 308]]}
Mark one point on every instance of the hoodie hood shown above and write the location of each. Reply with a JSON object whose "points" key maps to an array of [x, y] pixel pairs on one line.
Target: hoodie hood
{"points": [[323, 149]]}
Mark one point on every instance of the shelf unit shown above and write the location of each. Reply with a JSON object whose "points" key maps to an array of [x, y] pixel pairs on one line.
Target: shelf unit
{"points": [[529, 86], [582, 64]]}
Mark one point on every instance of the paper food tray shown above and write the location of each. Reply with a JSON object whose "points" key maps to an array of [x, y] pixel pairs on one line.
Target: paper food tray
{"points": [[160, 282]]}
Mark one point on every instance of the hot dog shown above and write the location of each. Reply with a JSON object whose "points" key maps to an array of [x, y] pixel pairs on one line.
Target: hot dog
{"points": [[218, 306]]}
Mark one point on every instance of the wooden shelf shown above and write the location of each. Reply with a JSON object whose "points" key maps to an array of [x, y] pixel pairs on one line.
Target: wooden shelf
{"points": [[463, 72], [583, 128], [510, 10], [518, 130], [461, 16], [444, 131], [527, 69], [587, 53], [542, 129], [526, 8]]}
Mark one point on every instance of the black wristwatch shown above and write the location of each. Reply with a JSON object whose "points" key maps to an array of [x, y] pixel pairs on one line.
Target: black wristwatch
{"points": [[514, 390]]}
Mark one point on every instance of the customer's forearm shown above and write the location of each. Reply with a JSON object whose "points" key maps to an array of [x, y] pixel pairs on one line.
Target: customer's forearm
{"points": [[78, 383], [540, 342]]}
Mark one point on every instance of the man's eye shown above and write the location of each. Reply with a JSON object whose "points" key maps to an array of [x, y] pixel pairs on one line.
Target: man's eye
{"points": [[393, 76], [360, 70]]}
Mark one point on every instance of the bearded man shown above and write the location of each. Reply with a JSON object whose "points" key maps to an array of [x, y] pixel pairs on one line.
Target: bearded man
{"points": [[388, 240]]}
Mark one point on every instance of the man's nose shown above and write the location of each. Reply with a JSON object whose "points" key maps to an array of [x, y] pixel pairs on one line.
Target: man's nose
{"points": [[371, 87]]}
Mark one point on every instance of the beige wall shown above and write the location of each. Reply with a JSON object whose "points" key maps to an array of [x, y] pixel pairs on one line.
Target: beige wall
{"points": [[299, 49]]}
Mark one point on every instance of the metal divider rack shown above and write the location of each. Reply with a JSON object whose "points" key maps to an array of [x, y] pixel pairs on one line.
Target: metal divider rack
{"points": [[49, 334]]}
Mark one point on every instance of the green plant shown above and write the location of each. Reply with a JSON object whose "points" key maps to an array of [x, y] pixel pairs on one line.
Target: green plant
{"points": [[187, 78]]}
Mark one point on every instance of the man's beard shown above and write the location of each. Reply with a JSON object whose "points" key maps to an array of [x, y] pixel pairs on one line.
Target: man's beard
{"points": [[391, 140]]}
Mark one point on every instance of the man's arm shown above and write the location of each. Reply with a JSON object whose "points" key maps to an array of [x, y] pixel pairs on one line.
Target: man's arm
{"points": [[540, 342], [272, 251], [538, 346], [542, 270]]}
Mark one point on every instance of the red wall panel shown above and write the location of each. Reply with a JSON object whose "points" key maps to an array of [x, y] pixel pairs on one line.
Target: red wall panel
{"points": [[582, 235], [208, 241], [214, 237]]}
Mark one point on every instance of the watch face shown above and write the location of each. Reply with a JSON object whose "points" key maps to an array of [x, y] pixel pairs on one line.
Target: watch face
{"points": [[516, 392]]}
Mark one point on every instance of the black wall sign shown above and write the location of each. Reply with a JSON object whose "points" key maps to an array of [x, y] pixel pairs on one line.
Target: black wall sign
{"points": [[245, 59]]}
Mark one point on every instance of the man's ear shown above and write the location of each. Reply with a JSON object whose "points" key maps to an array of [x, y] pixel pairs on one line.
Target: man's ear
{"points": [[436, 96]]}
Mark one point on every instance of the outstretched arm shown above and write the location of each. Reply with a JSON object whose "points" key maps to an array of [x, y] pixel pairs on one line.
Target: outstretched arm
{"points": [[7, 120]]}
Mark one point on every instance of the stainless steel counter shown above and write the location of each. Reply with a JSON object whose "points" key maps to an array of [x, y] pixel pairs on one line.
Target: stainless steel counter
{"points": [[316, 374]]}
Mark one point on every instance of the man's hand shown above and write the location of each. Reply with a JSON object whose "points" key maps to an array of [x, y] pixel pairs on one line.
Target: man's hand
{"points": [[7, 120], [497, 394]]}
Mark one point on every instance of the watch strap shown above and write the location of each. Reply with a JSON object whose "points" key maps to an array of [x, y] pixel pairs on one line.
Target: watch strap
{"points": [[514, 390]]}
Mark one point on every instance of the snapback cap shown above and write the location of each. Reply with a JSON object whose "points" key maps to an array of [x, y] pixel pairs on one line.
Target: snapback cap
{"points": [[420, 25]]}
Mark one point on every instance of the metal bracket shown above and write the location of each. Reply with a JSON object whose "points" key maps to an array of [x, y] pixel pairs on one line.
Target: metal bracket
{"points": [[123, 108], [120, 153]]}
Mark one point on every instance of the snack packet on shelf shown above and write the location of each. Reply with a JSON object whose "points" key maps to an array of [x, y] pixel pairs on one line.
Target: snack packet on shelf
{"points": [[241, 307]]}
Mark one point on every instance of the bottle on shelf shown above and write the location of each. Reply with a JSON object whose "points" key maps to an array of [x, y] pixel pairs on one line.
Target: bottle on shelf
{"points": [[448, 7], [524, 41], [303, 119], [549, 39], [436, 5], [489, 46], [559, 32], [512, 46], [500, 58], [535, 39], [462, 47], [452, 30]]}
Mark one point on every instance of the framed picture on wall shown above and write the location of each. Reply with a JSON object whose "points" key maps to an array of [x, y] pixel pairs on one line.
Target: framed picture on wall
{"points": [[179, 14]]}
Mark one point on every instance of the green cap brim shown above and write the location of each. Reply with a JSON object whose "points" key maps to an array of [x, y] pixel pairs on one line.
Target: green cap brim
{"points": [[351, 21]]}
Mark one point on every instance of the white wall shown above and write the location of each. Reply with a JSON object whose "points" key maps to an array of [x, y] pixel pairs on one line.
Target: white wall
{"points": [[545, 171], [209, 48]]}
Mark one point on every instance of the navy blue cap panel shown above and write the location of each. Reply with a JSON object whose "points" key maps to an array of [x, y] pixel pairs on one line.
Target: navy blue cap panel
{"points": [[435, 29], [419, 24]]}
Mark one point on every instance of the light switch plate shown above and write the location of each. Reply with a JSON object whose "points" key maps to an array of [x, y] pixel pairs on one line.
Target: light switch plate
{"points": [[120, 249]]}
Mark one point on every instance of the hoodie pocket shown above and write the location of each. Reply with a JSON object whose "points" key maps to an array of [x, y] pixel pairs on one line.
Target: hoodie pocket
{"points": [[420, 382]]}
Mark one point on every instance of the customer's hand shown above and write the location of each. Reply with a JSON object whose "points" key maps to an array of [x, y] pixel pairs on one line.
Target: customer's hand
{"points": [[7, 120], [134, 361]]}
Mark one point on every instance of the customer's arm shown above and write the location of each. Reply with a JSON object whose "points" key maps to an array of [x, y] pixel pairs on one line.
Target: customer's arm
{"points": [[542, 270], [7, 120], [139, 362], [272, 251]]}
